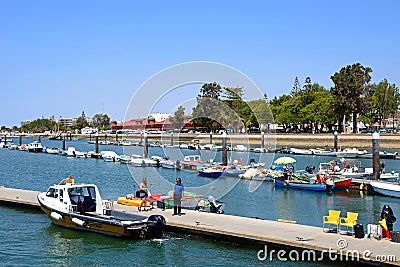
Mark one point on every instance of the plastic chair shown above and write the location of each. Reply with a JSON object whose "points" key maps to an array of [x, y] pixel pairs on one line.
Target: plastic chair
{"points": [[350, 221], [332, 219]]}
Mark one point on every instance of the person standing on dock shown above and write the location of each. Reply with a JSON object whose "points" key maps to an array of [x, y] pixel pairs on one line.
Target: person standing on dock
{"points": [[144, 193], [178, 195]]}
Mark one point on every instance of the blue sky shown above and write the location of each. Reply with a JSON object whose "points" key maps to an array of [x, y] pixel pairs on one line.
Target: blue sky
{"points": [[63, 57]]}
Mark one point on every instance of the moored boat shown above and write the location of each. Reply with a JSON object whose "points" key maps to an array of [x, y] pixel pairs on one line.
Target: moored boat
{"points": [[304, 185], [212, 172], [387, 189], [300, 151], [35, 147], [342, 183], [80, 206], [52, 150]]}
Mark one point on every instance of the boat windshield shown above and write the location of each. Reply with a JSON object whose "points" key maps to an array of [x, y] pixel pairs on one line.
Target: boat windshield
{"points": [[85, 191]]}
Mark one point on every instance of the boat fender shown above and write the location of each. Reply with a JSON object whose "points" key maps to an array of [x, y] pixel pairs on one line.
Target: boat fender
{"points": [[79, 222], [56, 216]]}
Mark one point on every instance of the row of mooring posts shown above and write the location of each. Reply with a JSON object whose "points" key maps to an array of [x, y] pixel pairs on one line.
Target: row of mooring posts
{"points": [[144, 141]]}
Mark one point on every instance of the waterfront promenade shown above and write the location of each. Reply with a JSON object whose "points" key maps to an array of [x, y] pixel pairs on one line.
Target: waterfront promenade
{"points": [[264, 235]]}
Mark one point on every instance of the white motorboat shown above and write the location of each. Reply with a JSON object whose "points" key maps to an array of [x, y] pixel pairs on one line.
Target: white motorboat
{"points": [[109, 156], [207, 147], [300, 151], [194, 146], [350, 153], [322, 152], [240, 148], [126, 143], [259, 150], [35, 147], [171, 164], [184, 146], [12, 146], [80, 154], [70, 152], [387, 189], [139, 161], [52, 150], [80, 207]]}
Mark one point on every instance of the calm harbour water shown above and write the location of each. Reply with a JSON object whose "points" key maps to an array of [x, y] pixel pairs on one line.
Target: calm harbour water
{"points": [[28, 238]]}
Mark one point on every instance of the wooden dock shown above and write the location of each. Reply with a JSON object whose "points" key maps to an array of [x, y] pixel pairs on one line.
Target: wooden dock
{"points": [[302, 242]]}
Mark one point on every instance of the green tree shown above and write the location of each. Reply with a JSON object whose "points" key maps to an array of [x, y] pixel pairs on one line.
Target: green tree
{"points": [[352, 92], [206, 110], [177, 120], [319, 111], [386, 99], [101, 121], [296, 87], [39, 126], [261, 113], [82, 122]]}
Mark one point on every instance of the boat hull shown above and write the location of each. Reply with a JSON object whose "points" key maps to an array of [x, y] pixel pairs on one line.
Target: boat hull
{"points": [[387, 189], [106, 225], [343, 183], [211, 174], [35, 150], [304, 186]]}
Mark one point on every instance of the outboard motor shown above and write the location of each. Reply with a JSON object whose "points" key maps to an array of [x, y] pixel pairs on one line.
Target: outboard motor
{"points": [[155, 226]]}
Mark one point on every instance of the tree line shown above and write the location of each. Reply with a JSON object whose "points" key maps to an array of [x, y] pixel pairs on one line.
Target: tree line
{"points": [[307, 108], [99, 121]]}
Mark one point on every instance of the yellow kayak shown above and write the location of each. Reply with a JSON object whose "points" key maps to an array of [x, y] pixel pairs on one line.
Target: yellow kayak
{"points": [[131, 202]]}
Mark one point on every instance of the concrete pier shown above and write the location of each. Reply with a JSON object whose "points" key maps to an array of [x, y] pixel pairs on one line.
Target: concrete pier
{"points": [[264, 235]]}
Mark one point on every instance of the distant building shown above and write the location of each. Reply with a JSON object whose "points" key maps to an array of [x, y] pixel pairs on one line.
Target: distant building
{"points": [[26, 122], [157, 121], [67, 121], [89, 130]]}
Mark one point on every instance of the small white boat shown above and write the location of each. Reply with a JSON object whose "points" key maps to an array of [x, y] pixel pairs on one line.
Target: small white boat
{"points": [[259, 150], [194, 146], [322, 152], [184, 146], [207, 147], [12, 146], [52, 150], [70, 152], [125, 159], [23, 147], [35, 147], [139, 161], [110, 156], [240, 148], [350, 153], [300, 151], [126, 143], [387, 189], [171, 164], [80, 154]]}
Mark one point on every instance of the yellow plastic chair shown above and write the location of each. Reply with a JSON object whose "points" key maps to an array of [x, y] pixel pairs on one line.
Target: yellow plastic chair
{"points": [[332, 219], [349, 222]]}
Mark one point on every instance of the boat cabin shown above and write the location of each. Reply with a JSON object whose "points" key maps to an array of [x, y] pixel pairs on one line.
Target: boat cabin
{"points": [[192, 158], [70, 197]]}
